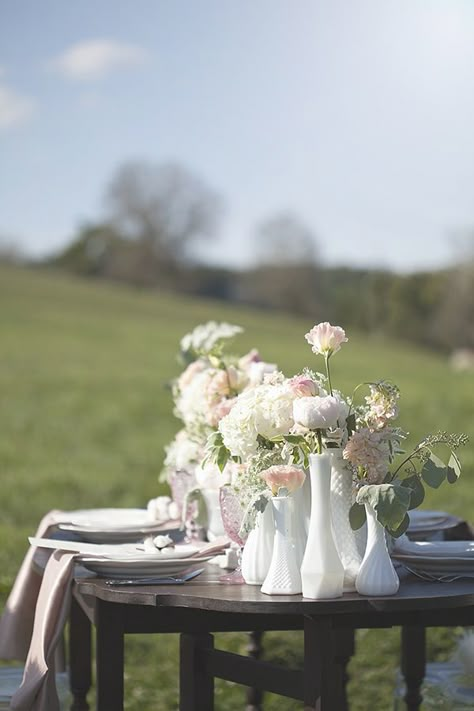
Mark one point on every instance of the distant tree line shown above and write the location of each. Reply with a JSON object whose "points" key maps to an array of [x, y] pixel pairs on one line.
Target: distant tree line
{"points": [[157, 214]]}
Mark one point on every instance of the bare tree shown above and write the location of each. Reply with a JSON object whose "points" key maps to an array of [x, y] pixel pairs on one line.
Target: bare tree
{"points": [[284, 240], [286, 275], [164, 208]]}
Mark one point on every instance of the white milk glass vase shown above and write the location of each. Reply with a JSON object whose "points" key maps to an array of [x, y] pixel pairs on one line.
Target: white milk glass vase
{"points": [[258, 549], [215, 527], [283, 577], [341, 502], [376, 576], [300, 521], [322, 573]]}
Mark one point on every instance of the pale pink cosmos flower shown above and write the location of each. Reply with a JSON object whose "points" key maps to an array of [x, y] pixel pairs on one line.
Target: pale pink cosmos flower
{"points": [[283, 476], [369, 450], [303, 386], [326, 339]]}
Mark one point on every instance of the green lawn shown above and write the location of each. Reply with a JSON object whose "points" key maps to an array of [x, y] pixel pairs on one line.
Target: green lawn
{"points": [[85, 412]]}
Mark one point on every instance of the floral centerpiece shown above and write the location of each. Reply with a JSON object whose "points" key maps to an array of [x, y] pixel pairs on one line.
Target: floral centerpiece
{"points": [[203, 394]]}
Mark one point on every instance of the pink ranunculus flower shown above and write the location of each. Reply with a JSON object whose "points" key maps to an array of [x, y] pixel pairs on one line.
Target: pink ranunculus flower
{"points": [[318, 413], [326, 339], [282, 476], [220, 410], [303, 386]]}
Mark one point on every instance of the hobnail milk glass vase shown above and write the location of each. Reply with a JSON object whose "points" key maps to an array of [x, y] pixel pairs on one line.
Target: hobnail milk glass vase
{"points": [[322, 572], [258, 549], [376, 576], [341, 502], [283, 577]]}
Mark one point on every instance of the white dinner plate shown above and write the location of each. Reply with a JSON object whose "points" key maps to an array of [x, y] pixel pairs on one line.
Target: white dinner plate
{"points": [[435, 549], [117, 552], [116, 525], [141, 566]]}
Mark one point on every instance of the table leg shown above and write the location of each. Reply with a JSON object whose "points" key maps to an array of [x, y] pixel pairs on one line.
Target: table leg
{"points": [[255, 649], [345, 648], [196, 687], [109, 657], [322, 677], [80, 654], [413, 664]]}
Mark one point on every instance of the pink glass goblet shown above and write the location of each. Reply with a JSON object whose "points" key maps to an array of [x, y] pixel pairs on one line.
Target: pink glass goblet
{"points": [[232, 515]]}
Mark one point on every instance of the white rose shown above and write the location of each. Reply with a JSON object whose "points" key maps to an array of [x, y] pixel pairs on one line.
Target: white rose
{"points": [[317, 412]]}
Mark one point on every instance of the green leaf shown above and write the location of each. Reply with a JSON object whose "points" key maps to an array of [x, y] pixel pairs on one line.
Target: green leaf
{"points": [[256, 505], [222, 457], [417, 490], [357, 516], [434, 471], [389, 501], [401, 529], [293, 439], [454, 468]]}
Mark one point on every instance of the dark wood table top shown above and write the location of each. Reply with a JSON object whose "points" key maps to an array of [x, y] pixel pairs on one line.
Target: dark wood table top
{"points": [[206, 593]]}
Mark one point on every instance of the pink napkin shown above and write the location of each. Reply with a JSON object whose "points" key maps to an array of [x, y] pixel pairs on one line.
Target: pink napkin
{"points": [[16, 623], [38, 688]]}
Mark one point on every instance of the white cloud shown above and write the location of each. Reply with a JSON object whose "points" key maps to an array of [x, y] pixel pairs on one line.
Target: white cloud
{"points": [[14, 108], [95, 59]]}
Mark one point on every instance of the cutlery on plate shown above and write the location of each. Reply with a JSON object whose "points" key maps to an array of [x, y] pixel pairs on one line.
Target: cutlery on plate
{"points": [[155, 580]]}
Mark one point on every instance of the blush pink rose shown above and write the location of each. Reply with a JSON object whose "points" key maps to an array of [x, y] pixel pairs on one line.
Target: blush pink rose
{"points": [[282, 476]]}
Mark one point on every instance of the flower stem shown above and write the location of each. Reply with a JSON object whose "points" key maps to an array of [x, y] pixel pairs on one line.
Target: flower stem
{"points": [[326, 360], [320, 441]]}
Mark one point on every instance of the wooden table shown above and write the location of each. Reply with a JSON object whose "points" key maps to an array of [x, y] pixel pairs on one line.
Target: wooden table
{"points": [[201, 607]]}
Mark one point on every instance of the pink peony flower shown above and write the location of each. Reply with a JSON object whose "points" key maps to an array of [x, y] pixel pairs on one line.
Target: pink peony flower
{"points": [[220, 410], [303, 386], [369, 450], [282, 476], [189, 373], [316, 413], [326, 339]]}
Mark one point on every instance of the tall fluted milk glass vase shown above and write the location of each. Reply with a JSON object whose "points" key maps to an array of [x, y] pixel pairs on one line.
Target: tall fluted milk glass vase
{"points": [[341, 502], [322, 573], [376, 576]]}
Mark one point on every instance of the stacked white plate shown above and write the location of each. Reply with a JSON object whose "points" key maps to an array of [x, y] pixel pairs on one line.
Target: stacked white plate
{"points": [[427, 525], [115, 525], [441, 558], [128, 560]]}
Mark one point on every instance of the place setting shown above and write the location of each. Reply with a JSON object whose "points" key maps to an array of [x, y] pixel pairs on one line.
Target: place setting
{"points": [[436, 561]]}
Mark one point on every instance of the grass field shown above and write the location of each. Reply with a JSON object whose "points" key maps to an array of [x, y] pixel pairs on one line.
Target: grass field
{"points": [[85, 412]]}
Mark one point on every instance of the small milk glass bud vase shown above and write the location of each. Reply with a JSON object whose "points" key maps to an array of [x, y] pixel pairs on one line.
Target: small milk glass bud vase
{"points": [[322, 573], [283, 577], [376, 576], [258, 549]]}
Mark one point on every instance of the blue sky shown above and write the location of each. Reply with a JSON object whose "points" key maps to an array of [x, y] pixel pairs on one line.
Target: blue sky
{"points": [[357, 116]]}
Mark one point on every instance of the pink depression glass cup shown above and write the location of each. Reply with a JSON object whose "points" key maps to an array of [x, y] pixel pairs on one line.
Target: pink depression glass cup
{"points": [[232, 515]]}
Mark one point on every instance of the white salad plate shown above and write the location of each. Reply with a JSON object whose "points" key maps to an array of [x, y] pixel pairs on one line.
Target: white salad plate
{"points": [[118, 551], [422, 521]]}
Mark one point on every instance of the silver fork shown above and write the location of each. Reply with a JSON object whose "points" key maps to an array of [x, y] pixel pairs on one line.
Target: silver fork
{"points": [[433, 578]]}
